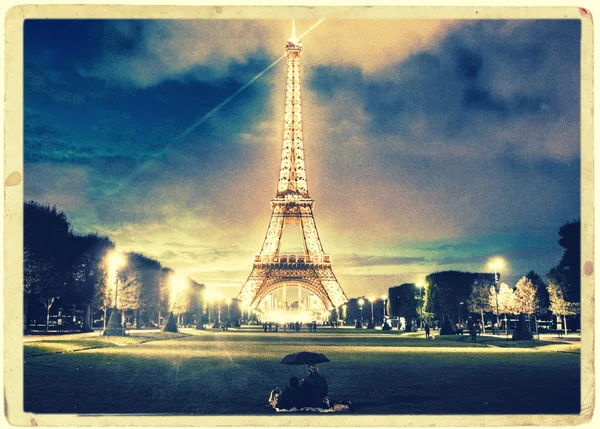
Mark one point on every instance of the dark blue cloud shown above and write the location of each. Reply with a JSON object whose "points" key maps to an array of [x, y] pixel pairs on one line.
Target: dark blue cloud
{"points": [[91, 118], [486, 123], [474, 78]]}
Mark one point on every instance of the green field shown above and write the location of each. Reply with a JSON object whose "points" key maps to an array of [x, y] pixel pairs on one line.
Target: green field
{"points": [[212, 373]]}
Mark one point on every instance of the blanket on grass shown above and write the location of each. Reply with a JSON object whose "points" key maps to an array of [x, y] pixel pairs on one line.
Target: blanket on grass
{"points": [[334, 407]]}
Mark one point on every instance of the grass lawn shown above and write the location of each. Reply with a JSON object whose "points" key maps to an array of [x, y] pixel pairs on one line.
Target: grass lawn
{"points": [[211, 373]]}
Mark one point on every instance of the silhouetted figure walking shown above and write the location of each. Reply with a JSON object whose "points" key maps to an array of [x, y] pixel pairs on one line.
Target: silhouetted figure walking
{"points": [[427, 330], [472, 329]]}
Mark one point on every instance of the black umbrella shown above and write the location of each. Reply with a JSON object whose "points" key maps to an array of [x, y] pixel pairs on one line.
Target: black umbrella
{"points": [[304, 358]]}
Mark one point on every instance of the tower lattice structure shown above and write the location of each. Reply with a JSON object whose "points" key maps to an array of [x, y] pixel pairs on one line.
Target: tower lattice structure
{"points": [[292, 205]]}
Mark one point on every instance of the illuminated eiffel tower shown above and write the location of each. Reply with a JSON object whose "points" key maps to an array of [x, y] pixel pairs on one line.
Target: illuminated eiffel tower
{"points": [[292, 205]]}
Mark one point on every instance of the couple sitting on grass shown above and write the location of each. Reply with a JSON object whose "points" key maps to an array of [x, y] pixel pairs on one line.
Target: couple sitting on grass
{"points": [[312, 393]]}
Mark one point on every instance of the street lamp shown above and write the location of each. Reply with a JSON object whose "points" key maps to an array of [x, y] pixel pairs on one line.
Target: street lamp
{"points": [[372, 299], [209, 298], [360, 304], [384, 297], [420, 286], [219, 314], [497, 264], [228, 306], [344, 312], [115, 261]]}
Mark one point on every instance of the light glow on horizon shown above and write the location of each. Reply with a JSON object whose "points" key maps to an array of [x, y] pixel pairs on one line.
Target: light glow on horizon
{"points": [[497, 264], [177, 284]]}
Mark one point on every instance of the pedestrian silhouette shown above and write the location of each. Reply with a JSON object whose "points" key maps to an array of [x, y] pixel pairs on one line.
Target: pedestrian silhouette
{"points": [[472, 329]]}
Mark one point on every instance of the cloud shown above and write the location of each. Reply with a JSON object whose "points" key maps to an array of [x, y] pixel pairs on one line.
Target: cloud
{"points": [[47, 89], [163, 50], [356, 260], [145, 53], [65, 188], [450, 98], [436, 146]]}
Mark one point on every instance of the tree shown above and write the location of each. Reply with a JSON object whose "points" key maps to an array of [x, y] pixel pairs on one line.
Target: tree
{"points": [[103, 298], [568, 271], [32, 272], [149, 274], [479, 300], [445, 291], [541, 292], [180, 297], [559, 305], [403, 303], [46, 268], [129, 285], [162, 304], [88, 253], [525, 300], [506, 300]]}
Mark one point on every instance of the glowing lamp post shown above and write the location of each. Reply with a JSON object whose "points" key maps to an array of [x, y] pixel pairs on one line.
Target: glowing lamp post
{"points": [[372, 299], [420, 286], [343, 316], [115, 261], [360, 304], [497, 264], [228, 301], [219, 314], [384, 297], [177, 285], [209, 299]]}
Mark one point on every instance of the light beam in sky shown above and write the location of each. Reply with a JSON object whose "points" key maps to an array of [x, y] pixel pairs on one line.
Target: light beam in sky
{"points": [[144, 166], [236, 93], [224, 102]]}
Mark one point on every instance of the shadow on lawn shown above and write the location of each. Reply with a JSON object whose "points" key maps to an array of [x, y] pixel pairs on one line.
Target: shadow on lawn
{"points": [[362, 406], [501, 341]]}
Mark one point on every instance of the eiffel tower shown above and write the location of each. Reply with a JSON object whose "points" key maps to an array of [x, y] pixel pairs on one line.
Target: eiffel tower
{"points": [[292, 205]]}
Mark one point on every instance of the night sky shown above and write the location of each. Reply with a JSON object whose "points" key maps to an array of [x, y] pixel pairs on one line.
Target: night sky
{"points": [[430, 145]]}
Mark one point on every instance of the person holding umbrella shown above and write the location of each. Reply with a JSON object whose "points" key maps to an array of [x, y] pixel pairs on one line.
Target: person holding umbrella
{"points": [[314, 387]]}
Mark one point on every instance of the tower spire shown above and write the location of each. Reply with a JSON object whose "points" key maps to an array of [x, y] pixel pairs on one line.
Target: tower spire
{"points": [[292, 174], [293, 39]]}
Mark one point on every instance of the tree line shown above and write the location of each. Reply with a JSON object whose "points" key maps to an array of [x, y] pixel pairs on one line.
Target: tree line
{"points": [[450, 296], [74, 270]]}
